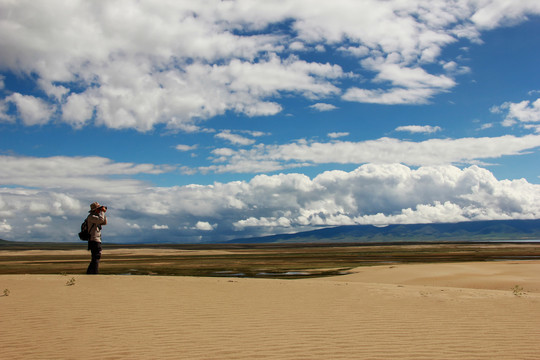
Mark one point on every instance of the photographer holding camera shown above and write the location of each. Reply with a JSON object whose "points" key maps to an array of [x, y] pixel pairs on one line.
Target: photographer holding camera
{"points": [[95, 219]]}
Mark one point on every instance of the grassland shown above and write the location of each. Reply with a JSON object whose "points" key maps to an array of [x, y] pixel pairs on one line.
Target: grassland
{"points": [[259, 260]]}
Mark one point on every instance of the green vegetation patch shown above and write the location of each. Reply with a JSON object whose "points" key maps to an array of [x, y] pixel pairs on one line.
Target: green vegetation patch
{"points": [[266, 261]]}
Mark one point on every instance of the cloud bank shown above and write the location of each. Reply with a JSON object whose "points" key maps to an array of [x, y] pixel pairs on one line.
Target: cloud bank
{"points": [[53, 206], [262, 158]]}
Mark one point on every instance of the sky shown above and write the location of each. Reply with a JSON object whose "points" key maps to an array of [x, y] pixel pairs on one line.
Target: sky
{"points": [[207, 121]]}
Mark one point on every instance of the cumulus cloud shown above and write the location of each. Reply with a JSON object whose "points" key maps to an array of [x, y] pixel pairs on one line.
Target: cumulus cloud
{"points": [[5, 227], [133, 226], [358, 51], [204, 226], [387, 194], [32, 110], [78, 109], [526, 113], [453, 68], [282, 223], [323, 107], [427, 129], [371, 194], [138, 64]]}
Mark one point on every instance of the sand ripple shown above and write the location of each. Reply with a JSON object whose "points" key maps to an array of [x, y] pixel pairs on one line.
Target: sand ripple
{"points": [[142, 317]]}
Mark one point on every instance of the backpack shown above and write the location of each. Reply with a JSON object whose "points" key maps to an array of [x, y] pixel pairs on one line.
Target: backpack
{"points": [[84, 235]]}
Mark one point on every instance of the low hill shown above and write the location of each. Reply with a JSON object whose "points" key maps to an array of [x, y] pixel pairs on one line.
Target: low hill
{"points": [[494, 230]]}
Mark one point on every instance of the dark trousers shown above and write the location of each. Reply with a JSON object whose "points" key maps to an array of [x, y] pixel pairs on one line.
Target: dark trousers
{"points": [[95, 248]]}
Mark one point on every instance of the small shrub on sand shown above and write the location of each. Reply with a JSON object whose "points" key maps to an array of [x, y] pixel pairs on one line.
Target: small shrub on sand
{"points": [[6, 292], [70, 282], [518, 290]]}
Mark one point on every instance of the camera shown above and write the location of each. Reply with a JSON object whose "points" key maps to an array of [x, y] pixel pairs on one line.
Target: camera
{"points": [[104, 207]]}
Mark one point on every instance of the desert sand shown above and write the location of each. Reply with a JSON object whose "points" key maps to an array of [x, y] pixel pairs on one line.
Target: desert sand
{"points": [[424, 311]]}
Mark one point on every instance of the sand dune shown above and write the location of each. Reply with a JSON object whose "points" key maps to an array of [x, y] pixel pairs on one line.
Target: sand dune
{"points": [[442, 311], [495, 275]]}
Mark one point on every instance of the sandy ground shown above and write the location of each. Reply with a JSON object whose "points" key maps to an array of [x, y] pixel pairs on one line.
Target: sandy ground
{"points": [[440, 311]]}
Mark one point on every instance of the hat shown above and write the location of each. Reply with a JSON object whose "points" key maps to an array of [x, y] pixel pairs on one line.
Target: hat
{"points": [[94, 206]]}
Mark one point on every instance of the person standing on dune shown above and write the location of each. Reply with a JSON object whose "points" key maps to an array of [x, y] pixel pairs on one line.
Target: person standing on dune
{"points": [[96, 219]]}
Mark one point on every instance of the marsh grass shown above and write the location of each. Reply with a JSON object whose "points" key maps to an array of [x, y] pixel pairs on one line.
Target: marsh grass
{"points": [[257, 260]]}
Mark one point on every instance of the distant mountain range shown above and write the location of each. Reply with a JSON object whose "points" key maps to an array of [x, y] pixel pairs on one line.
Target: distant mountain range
{"points": [[494, 230]]}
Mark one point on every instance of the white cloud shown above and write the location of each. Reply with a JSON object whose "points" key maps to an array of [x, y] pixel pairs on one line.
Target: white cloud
{"points": [[335, 135], [62, 172], [199, 91], [32, 110], [254, 133], [204, 226], [486, 126], [4, 116], [491, 14], [358, 51], [182, 147], [383, 194], [133, 226], [37, 226], [5, 227], [297, 46], [281, 223], [371, 194], [137, 64], [390, 97], [78, 109], [535, 128], [52, 90], [522, 112], [234, 138], [410, 78], [410, 85], [427, 129], [264, 158], [323, 107], [454, 68]]}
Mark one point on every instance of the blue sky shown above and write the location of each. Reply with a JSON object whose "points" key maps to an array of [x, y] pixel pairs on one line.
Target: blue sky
{"points": [[214, 120]]}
